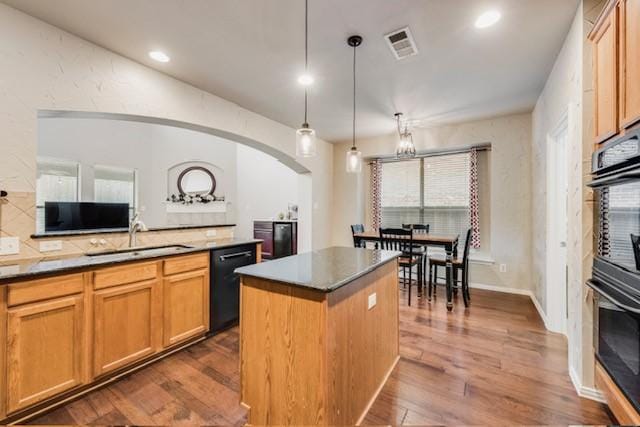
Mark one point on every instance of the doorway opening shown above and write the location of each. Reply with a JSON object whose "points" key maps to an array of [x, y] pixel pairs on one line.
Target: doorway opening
{"points": [[557, 227]]}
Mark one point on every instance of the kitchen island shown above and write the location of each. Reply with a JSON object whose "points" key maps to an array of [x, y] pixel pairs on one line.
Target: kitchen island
{"points": [[318, 335]]}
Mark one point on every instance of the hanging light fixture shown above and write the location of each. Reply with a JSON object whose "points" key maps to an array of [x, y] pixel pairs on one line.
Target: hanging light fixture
{"points": [[354, 157], [305, 136], [405, 148]]}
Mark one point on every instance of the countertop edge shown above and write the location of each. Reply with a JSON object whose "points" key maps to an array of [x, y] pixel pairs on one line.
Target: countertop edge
{"points": [[96, 263], [329, 289]]}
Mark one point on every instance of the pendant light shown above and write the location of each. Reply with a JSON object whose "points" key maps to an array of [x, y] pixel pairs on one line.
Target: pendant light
{"points": [[405, 148], [305, 136], [354, 157]]}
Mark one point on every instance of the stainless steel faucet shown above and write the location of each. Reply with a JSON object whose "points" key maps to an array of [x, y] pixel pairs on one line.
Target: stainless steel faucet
{"points": [[135, 225]]}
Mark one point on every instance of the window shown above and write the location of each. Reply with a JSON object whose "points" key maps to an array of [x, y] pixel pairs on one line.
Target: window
{"points": [[56, 181], [432, 190], [115, 185]]}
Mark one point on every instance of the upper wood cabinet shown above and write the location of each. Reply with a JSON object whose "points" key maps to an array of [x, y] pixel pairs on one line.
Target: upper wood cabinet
{"points": [[127, 319], [616, 69], [186, 306], [605, 75], [45, 350], [629, 22]]}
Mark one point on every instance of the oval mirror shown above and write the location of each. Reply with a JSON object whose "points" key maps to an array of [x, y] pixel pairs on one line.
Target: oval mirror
{"points": [[196, 180]]}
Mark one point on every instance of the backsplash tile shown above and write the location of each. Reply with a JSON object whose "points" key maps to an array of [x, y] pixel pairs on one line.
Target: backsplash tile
{"points": [[17, 218]]}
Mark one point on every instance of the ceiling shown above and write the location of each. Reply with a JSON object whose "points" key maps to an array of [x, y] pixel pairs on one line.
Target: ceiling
{"points": [[251, 52]]}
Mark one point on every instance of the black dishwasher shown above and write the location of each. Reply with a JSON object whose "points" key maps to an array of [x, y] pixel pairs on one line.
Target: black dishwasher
{"points": [[224, 295]]}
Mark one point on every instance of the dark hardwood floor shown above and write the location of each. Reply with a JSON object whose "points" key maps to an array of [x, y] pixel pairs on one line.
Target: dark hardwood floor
{"points": [[491, 364]]}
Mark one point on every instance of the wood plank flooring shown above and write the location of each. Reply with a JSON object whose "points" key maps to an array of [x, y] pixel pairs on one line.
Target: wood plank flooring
{"points": [[492, 364]]}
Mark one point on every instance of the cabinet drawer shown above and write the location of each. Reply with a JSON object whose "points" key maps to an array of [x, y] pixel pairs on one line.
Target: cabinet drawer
{"points": [[42, 289], [263, 225], [114, 276], [186, 263]]}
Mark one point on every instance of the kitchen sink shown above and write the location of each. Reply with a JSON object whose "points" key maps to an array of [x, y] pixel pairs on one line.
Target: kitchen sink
{"points": [[135, 252]]}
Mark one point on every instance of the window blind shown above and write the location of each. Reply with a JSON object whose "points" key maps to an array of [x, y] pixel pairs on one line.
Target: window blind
{"points": [[400, 193], [432, 190], [446, 193]]}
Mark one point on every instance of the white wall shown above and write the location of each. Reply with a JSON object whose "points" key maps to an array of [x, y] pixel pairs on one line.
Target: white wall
{"points": [[152, 150], [265, 188], [45, 68], [506, 207], [568, 90]]}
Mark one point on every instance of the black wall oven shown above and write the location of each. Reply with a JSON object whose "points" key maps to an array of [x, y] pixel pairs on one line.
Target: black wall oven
{"points": [[616, 267]]}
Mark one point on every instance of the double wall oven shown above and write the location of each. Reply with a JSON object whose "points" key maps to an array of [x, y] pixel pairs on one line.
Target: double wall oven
{"points": [[616, 268]]}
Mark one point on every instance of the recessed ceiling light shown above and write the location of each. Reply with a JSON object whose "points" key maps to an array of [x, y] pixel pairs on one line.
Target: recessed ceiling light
{"points": [[305, 79], [159, 56], [488, 19]]}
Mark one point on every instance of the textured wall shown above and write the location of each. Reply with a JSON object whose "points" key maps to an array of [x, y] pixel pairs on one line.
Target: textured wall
{"points": [[43, 67], [508, 215]]}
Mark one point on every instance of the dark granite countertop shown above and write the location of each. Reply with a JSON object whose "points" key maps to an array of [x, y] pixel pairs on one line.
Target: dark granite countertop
{"points": [[28, 269], [325, 270], [53, 234]]}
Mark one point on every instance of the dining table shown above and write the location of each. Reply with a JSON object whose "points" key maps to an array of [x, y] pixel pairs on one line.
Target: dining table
{"points": [[448, 242]]}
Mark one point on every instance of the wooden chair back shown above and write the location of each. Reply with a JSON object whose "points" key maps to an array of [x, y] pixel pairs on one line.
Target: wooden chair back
{"points": [[356, 229], [418, 228], [397, 239], [467, 247]]}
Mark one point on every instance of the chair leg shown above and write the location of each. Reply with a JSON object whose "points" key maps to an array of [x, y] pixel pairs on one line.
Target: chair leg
{"points": [[420, 279], [465, 285], [429, 284], [404, 278], [409, 285]]}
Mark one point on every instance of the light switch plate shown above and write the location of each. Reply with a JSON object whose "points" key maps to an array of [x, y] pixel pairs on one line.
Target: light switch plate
{"points": [[51, 245], [9, 245], [373, 300], [212, 233], [503, 268]]}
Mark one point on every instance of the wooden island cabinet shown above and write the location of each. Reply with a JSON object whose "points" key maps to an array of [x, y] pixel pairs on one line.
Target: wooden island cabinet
{"points": [[65, 334]]}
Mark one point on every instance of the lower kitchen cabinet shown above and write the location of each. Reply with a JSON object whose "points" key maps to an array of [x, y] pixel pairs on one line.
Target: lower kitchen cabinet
{"points": [[45, 350], [127, 322], [186, 306]]}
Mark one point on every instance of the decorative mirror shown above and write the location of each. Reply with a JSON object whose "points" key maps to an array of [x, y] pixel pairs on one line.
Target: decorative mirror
{"points": [[196, 181]]}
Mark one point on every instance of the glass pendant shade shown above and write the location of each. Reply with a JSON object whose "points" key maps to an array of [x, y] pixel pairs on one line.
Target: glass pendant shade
{"points": [[305, 141], [405, 148], [354, 161]]}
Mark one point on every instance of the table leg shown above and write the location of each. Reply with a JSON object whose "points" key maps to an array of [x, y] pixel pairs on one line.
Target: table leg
{"points": [[449, 276]]}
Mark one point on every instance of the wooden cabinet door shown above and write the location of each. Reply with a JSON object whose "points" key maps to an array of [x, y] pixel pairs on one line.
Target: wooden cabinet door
{"points": [[186, 306], [629, 62], [605, 62], [45, 350], [127, 323]]}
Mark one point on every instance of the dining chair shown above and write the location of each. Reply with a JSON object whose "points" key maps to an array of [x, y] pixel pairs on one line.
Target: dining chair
{"points": [[459, 265], [400, 239], [421, 250], [356, 229]]}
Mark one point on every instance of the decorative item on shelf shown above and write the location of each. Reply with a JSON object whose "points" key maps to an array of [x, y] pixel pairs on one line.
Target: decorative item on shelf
{"points": [[281, 216], [305, 136], [354, 157], [196, 181], [405, 148], [187, 199]]}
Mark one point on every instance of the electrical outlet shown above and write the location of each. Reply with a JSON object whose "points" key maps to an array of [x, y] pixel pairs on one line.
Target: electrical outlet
{"points": [[212, 233], [51, 245], [503, 268], [373, 300], [9, 245]]}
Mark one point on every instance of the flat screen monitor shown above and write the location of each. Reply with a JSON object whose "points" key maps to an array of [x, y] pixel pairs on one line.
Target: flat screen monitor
{"points": [[78, 216]]}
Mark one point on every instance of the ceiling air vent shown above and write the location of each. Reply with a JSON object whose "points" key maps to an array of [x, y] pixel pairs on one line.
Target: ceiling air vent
{"points": [[401, 43]]}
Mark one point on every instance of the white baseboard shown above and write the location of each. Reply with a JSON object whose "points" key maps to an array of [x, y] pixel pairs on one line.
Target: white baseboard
{"points": [[586, 392], [582, 391], [515, 291]]}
